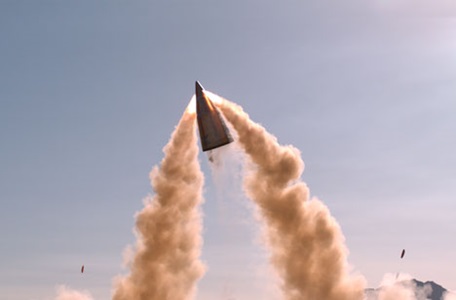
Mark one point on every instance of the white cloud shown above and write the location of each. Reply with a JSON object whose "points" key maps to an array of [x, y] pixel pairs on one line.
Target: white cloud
{"points": [[65, 293], [401, 286]]}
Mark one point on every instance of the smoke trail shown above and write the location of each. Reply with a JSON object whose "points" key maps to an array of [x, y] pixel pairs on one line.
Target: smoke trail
{"points": [[307, 245], [166, 264]]}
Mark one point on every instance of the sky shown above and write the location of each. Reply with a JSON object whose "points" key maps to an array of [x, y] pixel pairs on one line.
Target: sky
{"points": [[91, 91]]}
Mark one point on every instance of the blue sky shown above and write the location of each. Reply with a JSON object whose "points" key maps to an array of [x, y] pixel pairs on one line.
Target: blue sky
{"points": [[90, 92]]}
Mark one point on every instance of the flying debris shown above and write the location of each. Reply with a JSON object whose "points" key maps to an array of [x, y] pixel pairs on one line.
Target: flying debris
{"points": [[82, 269], [403, 253], [212, 128]]}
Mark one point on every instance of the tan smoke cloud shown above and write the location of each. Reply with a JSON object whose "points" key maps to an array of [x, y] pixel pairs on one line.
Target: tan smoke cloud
{"points": [[166, 262], [65, 293], [306, 242]]}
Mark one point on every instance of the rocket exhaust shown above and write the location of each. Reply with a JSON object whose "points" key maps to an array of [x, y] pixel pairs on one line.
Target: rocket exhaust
{"points": [[166, 264], [306, 243]]}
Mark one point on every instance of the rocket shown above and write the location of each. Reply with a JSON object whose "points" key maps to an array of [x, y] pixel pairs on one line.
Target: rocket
{"points": [[212, 129]]}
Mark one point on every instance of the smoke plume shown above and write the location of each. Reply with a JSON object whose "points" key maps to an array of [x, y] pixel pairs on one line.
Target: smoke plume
{"points": [[166, 264], [306, 243]]}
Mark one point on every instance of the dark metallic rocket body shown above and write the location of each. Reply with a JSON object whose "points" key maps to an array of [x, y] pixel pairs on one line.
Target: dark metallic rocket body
{"points": [[212, 128]]}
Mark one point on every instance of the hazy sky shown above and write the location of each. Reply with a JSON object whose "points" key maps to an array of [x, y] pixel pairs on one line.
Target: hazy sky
{"points": [[91, 90]]}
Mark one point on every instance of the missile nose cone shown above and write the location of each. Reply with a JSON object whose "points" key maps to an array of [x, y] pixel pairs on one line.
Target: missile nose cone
{"points": [[213, 131], [198, 85], [198, 89]]}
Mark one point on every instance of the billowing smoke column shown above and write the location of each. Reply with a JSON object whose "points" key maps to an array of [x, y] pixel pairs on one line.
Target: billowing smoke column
{"points": [[307, 245], [166, 264]]}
